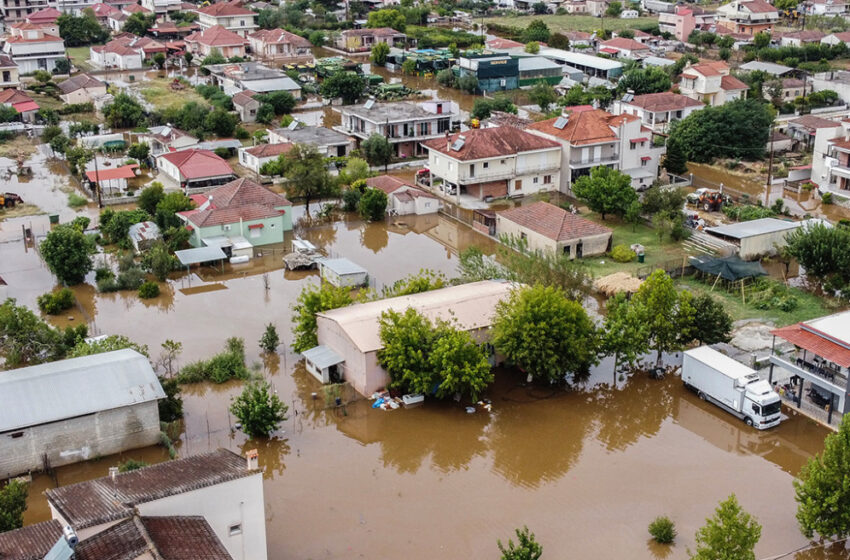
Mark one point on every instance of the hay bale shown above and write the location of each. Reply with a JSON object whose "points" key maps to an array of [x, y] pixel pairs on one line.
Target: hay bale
{"points": [[617, 282]]}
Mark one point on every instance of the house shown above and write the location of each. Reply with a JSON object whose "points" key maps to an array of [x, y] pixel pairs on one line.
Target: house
{"points": [[756, 238], [238, 211], [162, 7], [166, 138], [102, 12], [228, 43], [352, 333], [747, 16], [234, 77], [278, 45], [804, 129], [231, 15], [771, 68], [254, 157], [14, 11], [779, 142], [593, 138], [195, 169], [593, 66], [828, 8], [832, 171], [32, 49], [711, 83], [143, 235], [343, 273], [329, 142], [657, 110], [116, 20], [493, 162], [549, 228], [82, 88], [221, 487], [405, 124], [9, 76], [362, 40], [680, 23], [73, 7], [596, 8], [799, 38], [622, 47], [403, 197], [111, 181], [20, 102], [494, 73], [834, 80], [114, 409], [166, 30], [821, 358], [835, 38], [246, 106], [116, 54], [785, 90], [134, 8]]}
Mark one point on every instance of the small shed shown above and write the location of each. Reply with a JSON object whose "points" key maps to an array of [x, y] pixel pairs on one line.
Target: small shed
{"points": [[200, 255], [143, 235], [323, 364], [112, 181], [343, 273], [755, 238]]}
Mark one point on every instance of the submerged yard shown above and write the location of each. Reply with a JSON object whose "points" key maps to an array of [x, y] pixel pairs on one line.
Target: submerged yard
{"points": [[577, 22], [158, 92]]}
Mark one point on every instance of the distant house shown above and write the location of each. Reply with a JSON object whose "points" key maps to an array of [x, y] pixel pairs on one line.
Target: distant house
{"points": [[829, 8], [246, 106], [232, 16], [362, 40], [162, 7], [102, 11], [114, 409], [755, 238], [771, 68], [803, 130], [327, 141], [658, 110], [111, 181], [788, 89], [254, 157], [546, 227], [9, 76], [32, 49], [685, 20], [622, 47], [403, 197], [835, 38], [343, 273], [280, 46], [747, 16], [251, 76], [711, 83], [193, 169], [20, 102], [799, 38], [47, 15], [238, 211], [82, 88], [228, 43], [126, 52], [143, 235], [220, 487]]}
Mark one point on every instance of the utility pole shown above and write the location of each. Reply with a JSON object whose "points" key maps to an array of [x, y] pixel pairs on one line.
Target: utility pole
{"points": [[769, 169]]}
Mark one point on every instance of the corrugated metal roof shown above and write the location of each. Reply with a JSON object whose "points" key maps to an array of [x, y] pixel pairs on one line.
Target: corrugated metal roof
{"points": [[342, 266], [743, 230], [68, 388], [322, 357], [200, 255], [284, 83]]}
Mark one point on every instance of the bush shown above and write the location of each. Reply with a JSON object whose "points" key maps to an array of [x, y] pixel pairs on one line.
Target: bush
{"points": [[662, 530], [76, 201], [373, 205], [54, 303], [149, 290], [826, 198], [224, 366], [103, 273], [131, 465], [622, 254], [350, 199]]}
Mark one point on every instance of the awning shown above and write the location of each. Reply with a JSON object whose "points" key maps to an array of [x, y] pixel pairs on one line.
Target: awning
{"points": [[645, 158], [609, 50], [728, 268], [200, 255], [322, 357], [818, 345], [636, 140], [256, 226]]}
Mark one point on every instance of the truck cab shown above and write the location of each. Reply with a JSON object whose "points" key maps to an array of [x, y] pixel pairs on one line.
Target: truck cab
{"points": [[761, 404]]}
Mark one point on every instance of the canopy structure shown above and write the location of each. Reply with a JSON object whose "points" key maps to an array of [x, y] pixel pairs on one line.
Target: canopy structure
{"points": [[123, 172], [188, 257], [729, 268]]}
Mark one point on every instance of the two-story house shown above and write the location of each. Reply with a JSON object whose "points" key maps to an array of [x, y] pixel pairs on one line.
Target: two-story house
{"points": [[19, 10], [747, 16], [657, 110], [685, 20], [32, 49], [162, 7], [328, 142], [490, 163], [594, 138], [230, 15], [711, 83], [73, 7], [829, 8], [228, 43], [623, 47], [280, 46], [362, 40], [404, 124]]}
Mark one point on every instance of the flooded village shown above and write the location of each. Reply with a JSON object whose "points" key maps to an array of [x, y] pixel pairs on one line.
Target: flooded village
{"points": [[427, 281]]}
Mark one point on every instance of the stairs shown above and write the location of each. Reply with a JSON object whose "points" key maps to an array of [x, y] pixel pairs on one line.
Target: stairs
{"points": [[702, 243]]}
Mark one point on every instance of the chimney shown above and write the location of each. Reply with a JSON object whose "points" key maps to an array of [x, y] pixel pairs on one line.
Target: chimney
{"points": [[448, 142], [253, 459], [113, 473]]}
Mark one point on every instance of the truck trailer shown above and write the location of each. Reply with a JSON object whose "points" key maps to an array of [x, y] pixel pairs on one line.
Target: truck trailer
{"points": [[732, 386]]}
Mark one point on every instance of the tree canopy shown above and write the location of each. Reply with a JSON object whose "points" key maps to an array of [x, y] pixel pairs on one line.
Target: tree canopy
{"points": [[543, 95], [314, 299], [347, 85], [606, 190], [139, 23], [824, 252], [652, 79], [258, 409], [13, 504], [526, 547], [387, 18], [81, 30], [378, 150], [730, 533], [537, 30], [379, 54], [67, 252], [306, 174], [124, 112]]}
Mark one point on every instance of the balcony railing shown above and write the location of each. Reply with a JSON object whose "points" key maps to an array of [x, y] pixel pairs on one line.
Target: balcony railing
{"points": [[595, 162]]}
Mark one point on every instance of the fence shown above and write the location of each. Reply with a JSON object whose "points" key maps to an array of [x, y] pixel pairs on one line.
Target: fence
{"points": [[462, 215], [674, 268]]}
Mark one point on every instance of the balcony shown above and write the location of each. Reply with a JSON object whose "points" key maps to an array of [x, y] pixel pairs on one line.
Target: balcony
{"points": [[609, 160], [525, 170]]}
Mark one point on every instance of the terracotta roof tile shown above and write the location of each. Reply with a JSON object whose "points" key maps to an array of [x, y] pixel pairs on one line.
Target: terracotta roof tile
{"points": [[244, 97], [552, 221], [196, 164], [814, 123], [13, 96], [484, 143], [185, 538], [585, 127], [270, 150], [731, 83], [386, 183], [376, 31], [46, 15], [821, 346], [665, 101], [245, 191], [217, 36], [624, 44], [280, 37], [32, 542], [757, 6], [222, 9]]}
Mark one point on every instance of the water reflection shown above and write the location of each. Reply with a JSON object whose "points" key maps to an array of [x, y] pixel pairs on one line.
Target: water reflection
{"points": [[374, 236], [636, 409]]}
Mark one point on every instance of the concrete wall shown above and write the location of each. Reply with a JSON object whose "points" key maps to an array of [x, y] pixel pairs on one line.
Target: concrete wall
{"points": [[271, 232], [78, 439], [765, 244], [592, 245], [353, 368]]}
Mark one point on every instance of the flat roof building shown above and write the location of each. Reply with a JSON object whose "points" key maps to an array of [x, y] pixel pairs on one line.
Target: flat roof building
{"points": [[755, 238]]}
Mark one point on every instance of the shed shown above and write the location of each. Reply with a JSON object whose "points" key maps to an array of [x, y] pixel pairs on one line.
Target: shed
{"points": [[322, 363], [755, 238], [200, 255], [68, 411], [143, 235], [343, 273]]}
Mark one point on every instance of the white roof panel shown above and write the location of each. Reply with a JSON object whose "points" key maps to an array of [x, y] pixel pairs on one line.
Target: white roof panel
{"points": [[322, 357], [835, 326], [752, 228], [721, 362], [342, 266]]}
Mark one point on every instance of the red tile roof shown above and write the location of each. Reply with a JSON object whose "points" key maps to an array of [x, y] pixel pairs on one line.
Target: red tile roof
{"points": [[80, 81], [585, 127], [47, 15], [624, 43], [196, 164], [185, 538], [823, 347], [244, 97], [135, 8], [500, 43], [222, 9], [279, 37], [25, 106], [45, 38], [481, 143], [103, 10], [665, 101], [552, 222], [710, 68], [270, 150], [812, 122], [13, 96], [386, 183], [376, 31], [757, 6], [32, 542], [731, 83], [217, 36], [123, 172]]}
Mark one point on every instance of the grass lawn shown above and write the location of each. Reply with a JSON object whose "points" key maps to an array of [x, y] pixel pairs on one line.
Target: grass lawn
{"points": [[80, 57], [577, 22], [158, 92]]}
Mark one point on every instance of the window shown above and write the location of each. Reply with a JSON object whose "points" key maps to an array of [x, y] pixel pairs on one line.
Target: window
{"points": [[547, 179], [632, 146], [16, 435], [255, 233], [485, 165], [756, 408], [522, 235], [502, 162], [472, 170], [235, 529], [536, 179], [226, 227], [517, 185], [271, 225], [643, 162]]}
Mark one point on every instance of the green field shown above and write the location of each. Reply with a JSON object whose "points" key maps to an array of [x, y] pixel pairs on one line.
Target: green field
{"points": [[80, 57], [577, 22], [159, 93]]}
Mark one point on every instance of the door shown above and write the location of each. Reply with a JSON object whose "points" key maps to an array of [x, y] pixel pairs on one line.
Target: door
{"points": [[578, 249]]}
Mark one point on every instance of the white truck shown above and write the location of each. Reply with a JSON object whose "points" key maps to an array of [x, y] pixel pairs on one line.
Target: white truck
{"points": [[732, 386]]}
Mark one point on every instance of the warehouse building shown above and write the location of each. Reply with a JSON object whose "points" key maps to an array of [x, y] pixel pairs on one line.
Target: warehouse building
{"points": [[755, 238]]}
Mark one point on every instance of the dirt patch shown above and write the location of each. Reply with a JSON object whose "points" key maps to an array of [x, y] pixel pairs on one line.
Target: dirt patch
{"points": [[19, 211], [19, 148]]}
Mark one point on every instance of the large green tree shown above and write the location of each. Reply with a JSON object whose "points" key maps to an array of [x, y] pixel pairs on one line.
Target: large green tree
{"points": [[823, 251], [379, 55], [543, 95], [81, 30], [13, 504], [668, 315], [378, 150], [711, 322], [606, 190], [151, 195], [373, 205], [27, 340], [314, 299], [306, 174], [675, 160], [124, 112], [537, 30], [731, 534], [347, 85], [139, 23], [258, 409], [67, 252], [544, 333], [387, 18], [823, 488], [652, 79], [626, 336]]}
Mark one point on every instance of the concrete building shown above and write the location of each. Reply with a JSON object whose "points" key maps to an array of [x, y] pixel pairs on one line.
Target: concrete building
{"points": [[622, 47], [9, 75], [343, 273], [329, 142], [194, 169], [536, 69], [835, 80], [19, 10], [592, 138], [591, 65], [352, 332], [246, 106], [777, 70], [81, 88], [404, 198], [711, 83], [798, 38], [804, 130], [685, 20], [166, 138], [32, 49], [747, 16], [281, 46], [216, 38], [657, 110], [221, 487], [835, 38], [831, 160], [492, 163], [828, 8], [755, 238], [494, 73], [549, 228], [254, 157], [362, 40], [251, 76], [69, 411], [230, 15], [116, 55], [143, 235]]}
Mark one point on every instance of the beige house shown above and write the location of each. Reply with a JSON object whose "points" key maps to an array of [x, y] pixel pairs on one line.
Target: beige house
{"points": [[9, 76], [230, 15], [403, 198], [549, 228], [82, 88], [280, 46], [362, 40], [228, 43], [711, 83], [246, 106]]}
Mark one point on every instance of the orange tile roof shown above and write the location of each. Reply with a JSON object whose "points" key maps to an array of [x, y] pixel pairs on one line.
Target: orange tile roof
{"points": [[552, 222], [196, 164], [270, 150], [241, 199], [665, 101], [819, 345], [482, 143], [217, 36], [585, 127], [731, 83], [624, 44], [386, 183], [222, 9]]}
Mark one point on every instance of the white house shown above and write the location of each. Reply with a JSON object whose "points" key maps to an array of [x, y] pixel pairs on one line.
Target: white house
{"points": [[253, 157], [747, 17], [113, 409], [166, 138], [230, 15], [657, 110], [118, 53], [32, 49], [404, 198], [195, 168], [829, 8], [343, 273], [329, 142], [622, 47], [221, 487], [229, 44], [711, 83]]}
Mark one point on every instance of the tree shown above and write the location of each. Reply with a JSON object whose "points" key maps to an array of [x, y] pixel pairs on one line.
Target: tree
{"points": [[131, 465], [159, 60], [265, 114], [675, 160], [60, 144], [625, 334], [761, 40], [544, 333], [13, 504], [527, 547], [314, 299], [139, 152], [215, 57], [379, 54], [730, 533], [258, 409], [282, 102], [614, 9], [652, 79], [306, 174], [484, 107], [159, 261], [822, 492], [537, 30], [77, 158], [633, 214], [81, 30], [139, 23], [347, 85], [123, 112], [356, 169], [67, 253], [387, 18], [221, 122], [408, 67], [711, 322], [317, 38], [606, 190], [378, 150], [373, 205], [667, 314], [559, 41], [543, 95], [738, 129], [270, 339], [109, 344], [823, 251], [459, 363], [539, 8], [150, 196], [532, 47], [167, 208], [170, 351], [26, 340], [62, 66], [50, 132], [446, 77], [467, 83]]}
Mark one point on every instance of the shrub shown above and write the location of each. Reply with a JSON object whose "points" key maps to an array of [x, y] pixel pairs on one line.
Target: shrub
{"points": [[149, 290], [103, 273], [226, 365], [622, 254], [76, 201], [350, 199], [131, 465], [54, 303], [826, 198], [662, 530]]}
